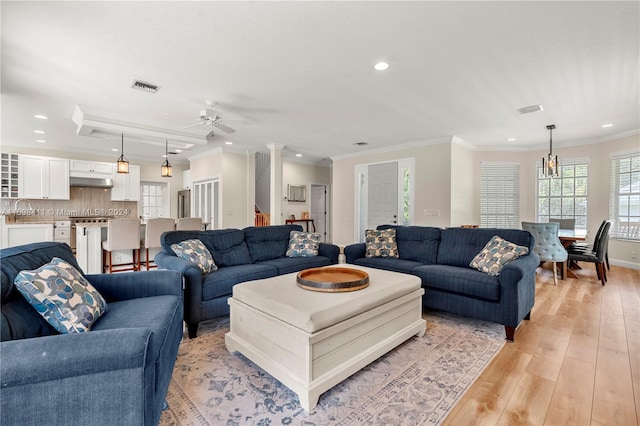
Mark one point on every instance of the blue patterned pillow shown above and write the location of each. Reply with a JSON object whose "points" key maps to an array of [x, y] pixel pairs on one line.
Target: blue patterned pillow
{"points": [[381, 243], [62, 295], [303, 244], [495, 254], [195, 252]]}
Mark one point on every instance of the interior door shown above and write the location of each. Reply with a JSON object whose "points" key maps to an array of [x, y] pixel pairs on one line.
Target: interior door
{"points": [[319, 210], [382, 194]]}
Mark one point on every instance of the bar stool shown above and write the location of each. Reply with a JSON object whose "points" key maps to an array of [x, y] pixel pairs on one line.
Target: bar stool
{"points": [[122, 234], [153, 230], [189, 224]]}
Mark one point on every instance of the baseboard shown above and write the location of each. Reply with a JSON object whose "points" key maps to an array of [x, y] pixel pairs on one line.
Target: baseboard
{"points": [[625, 264]]}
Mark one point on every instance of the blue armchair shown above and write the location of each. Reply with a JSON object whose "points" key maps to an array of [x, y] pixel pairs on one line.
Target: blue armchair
{"points": [[117, 373]]}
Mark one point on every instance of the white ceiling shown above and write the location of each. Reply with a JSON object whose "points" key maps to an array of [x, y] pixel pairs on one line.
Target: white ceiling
{"points": [[303, 72]]}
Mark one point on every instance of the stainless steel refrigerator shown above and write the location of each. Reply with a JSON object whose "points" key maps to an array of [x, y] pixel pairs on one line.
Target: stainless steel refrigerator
{"points": [[184, 203]]}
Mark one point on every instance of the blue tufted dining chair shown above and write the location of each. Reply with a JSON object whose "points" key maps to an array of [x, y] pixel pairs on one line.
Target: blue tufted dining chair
{"points": [[547, 244]]}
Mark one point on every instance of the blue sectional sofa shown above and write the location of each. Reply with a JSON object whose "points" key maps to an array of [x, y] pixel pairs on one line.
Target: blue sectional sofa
{"points": [[441, 258], [240, 255], [116, 373]]}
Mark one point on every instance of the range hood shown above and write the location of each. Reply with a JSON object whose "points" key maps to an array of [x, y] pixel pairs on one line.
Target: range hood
{"points": [[91, 182]]}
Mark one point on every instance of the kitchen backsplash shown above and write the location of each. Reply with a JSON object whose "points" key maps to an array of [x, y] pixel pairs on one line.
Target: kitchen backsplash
{"points": [[84, 201]]}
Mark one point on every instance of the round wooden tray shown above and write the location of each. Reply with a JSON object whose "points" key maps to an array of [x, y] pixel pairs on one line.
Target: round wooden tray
{"points": [[334, 279]]}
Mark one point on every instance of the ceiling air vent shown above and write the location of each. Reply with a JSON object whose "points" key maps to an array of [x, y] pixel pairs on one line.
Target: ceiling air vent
{"points": [[532, 108], [144, 86]]}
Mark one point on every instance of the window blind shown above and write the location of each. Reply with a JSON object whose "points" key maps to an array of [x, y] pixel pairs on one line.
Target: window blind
{"points": [[499, 195]]}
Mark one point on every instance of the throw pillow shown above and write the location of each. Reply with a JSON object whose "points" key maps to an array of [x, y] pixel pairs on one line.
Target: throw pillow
{"points": [[62, 296], [303, 244], [195, 252], [381, 243], [495, 254]]}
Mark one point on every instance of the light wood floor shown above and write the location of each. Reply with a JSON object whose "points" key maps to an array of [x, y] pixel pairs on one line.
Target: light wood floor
{"points": [[577, 362]]}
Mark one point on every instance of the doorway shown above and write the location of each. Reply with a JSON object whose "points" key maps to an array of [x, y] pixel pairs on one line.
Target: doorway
{"points": [[319, 206], [384, 194]]}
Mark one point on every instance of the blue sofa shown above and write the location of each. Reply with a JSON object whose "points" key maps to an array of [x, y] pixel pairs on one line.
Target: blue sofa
{"points": [[241, 255], [441, 257], [117, 373]]}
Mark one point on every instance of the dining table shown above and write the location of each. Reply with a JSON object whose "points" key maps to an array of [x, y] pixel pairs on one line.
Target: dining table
{"points": [[568, 237]]}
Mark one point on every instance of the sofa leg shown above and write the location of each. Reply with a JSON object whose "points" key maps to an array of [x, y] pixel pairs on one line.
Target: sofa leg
{"points": [[193, 330], [528, 316], [510, 332]]}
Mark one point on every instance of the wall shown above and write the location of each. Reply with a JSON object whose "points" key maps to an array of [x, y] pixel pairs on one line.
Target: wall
{"points": [[462, 186], [598, 190], [296, 173], [432, 192]]}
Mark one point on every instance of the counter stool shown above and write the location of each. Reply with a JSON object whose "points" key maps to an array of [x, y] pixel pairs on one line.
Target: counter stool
{"points": [[153, 230], [122, 234], [189, 224]]}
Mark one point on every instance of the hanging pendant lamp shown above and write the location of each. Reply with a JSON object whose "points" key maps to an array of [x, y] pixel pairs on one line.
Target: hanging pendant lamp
{"points": [[550, 165], [166, 167], [123, 163]]}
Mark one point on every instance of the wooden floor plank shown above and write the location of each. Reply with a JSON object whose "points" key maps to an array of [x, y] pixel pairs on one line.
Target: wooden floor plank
{"points": [[573, 395], [576, 362]]}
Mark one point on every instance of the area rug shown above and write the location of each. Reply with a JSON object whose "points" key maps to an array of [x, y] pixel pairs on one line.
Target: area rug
{"points": [[417, 383]]}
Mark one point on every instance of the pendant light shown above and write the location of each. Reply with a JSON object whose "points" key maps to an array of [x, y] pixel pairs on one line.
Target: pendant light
{"points": [[166, 167], [123, 164], [550, 165]]}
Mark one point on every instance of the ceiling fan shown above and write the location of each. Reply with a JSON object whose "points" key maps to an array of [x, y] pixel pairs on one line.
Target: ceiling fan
{"points": [[212, 117]]}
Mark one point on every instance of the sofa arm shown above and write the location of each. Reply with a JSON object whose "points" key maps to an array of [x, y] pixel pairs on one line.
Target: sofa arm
{"points": [[134, 285], [354, 251], [518, 268], [192, 283], [331, 251]]}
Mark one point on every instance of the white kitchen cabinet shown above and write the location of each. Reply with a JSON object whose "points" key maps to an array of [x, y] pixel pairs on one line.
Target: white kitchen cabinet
{"points": [[126, 186], [81, 168], [21, 233], [43, 177], [89, 247], [9, 175]]}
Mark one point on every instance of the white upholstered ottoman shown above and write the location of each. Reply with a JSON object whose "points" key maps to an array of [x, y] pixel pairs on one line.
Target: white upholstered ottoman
{"points": [[310, 341]]}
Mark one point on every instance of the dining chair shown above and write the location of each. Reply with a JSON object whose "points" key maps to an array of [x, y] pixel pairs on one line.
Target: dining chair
{"points": [[564, 223], [189, 224], [590, 247], [154, 229], [597, 255], [122, 234], [547, 245]]}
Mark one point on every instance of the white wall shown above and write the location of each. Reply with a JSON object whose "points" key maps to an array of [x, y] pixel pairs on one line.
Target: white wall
{"points": [[296, 173], [462, 186], [432, 192], [598, 186]]}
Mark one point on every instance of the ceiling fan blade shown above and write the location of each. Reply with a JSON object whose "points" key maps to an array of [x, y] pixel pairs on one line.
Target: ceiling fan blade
{"points": [[223, 127], [239, 121], [194, 125]]}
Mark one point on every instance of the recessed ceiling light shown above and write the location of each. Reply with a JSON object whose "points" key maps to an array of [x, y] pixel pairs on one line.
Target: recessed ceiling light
{"points": [[298, 155], [511, 140], [40, 116], [381, 66], [41, 141], [228, 143], [40, 132], [177, 150], [607, 125], [114, 149]]}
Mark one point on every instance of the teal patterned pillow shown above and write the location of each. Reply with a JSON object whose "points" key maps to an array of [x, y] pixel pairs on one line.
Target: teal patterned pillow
{"points": [[303, 244], [195, 252], [381, 243], [495, 254], [62, 295]]}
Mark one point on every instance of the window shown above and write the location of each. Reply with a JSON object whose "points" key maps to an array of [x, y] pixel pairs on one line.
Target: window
{"points": [[624, 199], [565, 196], [155, 201], [499, 195]]}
